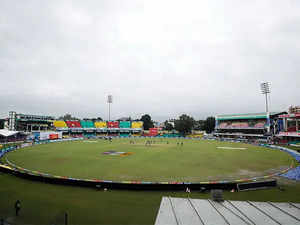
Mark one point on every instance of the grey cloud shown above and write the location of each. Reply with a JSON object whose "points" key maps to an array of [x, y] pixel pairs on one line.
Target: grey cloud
{"points": [[158, 57]]}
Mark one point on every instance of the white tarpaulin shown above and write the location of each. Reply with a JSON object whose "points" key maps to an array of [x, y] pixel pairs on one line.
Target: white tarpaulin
{"points": [[7, 133]]}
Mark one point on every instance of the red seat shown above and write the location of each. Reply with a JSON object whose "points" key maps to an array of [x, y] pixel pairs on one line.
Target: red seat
{"points": [[73, 124]]}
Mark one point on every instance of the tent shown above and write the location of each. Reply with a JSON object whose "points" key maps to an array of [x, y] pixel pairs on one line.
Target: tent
{"points": [[7, 133]]}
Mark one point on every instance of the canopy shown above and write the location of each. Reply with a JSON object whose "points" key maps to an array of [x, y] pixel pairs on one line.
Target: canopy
{"points": [[247, 116], [7, 133]]}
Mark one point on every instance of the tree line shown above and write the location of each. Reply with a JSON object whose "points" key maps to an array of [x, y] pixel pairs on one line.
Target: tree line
{"points": [[184, 124]]}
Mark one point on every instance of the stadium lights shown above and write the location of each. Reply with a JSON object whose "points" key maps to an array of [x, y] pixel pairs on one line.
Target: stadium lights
{"points": [[265, 90], [109, 101]]}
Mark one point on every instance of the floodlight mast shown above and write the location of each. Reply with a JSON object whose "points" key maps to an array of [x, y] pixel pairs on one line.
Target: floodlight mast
{"points": [[109, 101], [265, 89]]}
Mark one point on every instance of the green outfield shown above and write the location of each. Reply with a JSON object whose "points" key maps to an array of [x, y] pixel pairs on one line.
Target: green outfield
{"points": [[161, 160], [46, 203]]}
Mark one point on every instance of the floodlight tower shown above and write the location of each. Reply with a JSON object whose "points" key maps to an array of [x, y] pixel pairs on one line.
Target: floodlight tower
{"points": [[109, 101], [265, 90]]}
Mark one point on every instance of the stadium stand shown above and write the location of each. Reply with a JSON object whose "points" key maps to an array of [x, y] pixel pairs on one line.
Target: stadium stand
{"points": [[88, 128], [100, 124], [87, 124], [289, 125], [125, 124], [11, 136], [125, 127], [292, 129], [60, 124], [260, 124], [250, 126], [242, 124], [113, 124], [137, 125], [73, 124]]}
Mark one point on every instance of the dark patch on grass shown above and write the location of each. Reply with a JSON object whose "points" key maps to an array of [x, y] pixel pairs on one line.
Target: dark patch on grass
{"points": [[61, 160]]}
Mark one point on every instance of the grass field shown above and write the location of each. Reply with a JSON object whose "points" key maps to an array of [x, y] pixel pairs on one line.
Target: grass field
{"points": [[45, 203], [164, 160]]}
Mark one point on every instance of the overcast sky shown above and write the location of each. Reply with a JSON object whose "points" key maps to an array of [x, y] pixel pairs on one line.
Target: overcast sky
{"points": [[161, 57]]}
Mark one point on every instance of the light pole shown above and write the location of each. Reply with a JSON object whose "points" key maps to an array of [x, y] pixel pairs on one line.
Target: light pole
{"points": [[109, 101], [265, 90]]}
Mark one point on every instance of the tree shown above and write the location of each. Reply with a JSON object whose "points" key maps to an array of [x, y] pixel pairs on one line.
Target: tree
{"points": [[67, 116], [199, 125], [1, 124], [168, 126], [184, 124], [210, 123], [148, 123]]}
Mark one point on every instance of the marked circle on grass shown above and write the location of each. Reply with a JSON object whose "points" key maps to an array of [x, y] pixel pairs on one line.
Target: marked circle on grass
{"points": [[162, 161]]}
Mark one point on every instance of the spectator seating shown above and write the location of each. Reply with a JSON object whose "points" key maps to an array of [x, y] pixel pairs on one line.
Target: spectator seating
{"points": [[242, 124], [260, 124], [100, 124], [137, 125], [73, 124], [291, 129], [125, 124], [113, 124], [60, 124], [77, 135], [223, 125], [87, 124]]}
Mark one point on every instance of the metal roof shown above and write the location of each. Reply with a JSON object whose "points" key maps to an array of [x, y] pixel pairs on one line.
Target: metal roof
{"points": [[7, 133], [262, 115], [180, 211]]}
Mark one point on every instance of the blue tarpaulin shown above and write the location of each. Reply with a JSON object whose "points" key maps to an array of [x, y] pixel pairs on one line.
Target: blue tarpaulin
{"points": [[293, 174]]}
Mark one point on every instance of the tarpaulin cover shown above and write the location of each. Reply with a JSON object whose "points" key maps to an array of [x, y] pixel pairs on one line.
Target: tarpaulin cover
{"points": [[293, 174]]}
